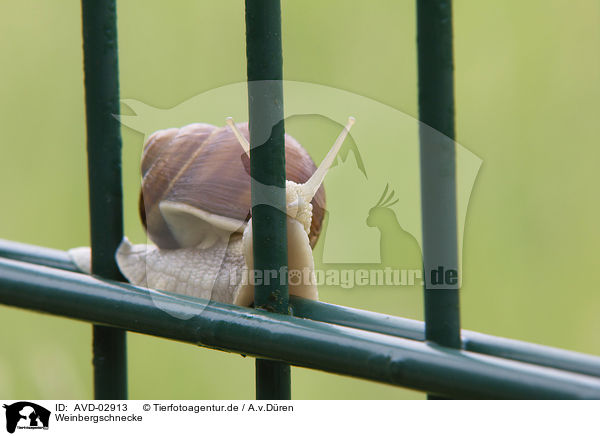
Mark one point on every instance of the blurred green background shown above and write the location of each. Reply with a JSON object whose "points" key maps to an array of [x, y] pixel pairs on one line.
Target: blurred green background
{"points": [[527, 93]]}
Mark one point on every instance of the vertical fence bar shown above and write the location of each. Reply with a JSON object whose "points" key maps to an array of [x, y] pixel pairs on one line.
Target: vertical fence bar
{"points": [[438, 171], [104, 170], [267, 167]]}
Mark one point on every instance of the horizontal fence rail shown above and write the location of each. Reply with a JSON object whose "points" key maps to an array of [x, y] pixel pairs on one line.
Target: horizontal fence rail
{"points": [[471, 341], [365, 320], [344, 349]]}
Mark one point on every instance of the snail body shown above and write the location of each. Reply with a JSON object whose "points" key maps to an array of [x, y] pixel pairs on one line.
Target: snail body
{"points": [[195, 206]]}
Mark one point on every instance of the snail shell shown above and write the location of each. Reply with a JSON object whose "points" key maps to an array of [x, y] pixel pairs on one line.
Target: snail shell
{"points": [[196, 184], [195, 205]]}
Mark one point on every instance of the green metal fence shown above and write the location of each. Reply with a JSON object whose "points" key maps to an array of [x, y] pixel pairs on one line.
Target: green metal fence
{"points": [[434, 356]]}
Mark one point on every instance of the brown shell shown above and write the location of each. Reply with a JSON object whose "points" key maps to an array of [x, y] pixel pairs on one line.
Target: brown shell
{"points": [[204, 166]]}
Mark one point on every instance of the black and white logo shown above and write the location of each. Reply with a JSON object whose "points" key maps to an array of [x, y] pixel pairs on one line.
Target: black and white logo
{"points": [[26, 415]]}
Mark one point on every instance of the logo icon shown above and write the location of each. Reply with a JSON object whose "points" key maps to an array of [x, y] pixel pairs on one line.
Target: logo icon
{"points": [[26, 415]]}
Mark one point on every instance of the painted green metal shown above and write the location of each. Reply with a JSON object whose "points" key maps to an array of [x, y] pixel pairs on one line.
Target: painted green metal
{"points": [[357, 318], [38, 255], [312, 344], [267, 167], [273, 380], [101, 69], [438, 168], [471, 341], [370, 321]]}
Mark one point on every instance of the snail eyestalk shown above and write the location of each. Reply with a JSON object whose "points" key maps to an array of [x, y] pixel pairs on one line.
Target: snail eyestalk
{"points": [[241, 139], [311, 187]]}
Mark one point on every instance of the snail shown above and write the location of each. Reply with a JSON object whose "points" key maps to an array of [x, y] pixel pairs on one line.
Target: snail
{"points": [[195, 207]]}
